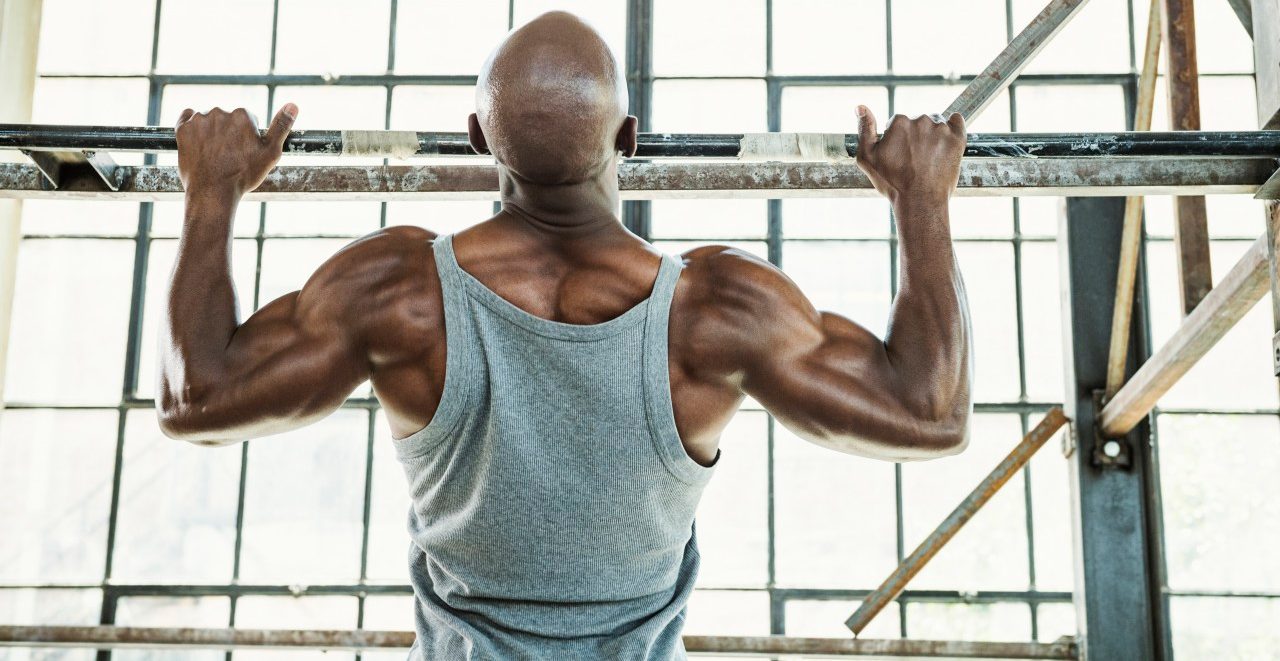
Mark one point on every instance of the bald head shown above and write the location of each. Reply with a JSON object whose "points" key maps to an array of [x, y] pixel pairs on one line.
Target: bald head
{"points": [[551, 102]]}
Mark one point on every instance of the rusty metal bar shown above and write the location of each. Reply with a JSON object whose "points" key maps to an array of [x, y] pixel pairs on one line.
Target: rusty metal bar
{"points": [[1014, 58], [1225, 305], [1191, 226], [108, 637], [1131, 240], [912, 564], [1092, 176]]}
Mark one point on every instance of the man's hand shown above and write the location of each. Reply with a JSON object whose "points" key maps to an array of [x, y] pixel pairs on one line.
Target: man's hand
{"points": [[224, 149], [916, 159]]}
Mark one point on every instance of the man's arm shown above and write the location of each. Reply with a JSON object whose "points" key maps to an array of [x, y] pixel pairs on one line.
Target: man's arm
{"points": [[829, 379], [292, 362]]}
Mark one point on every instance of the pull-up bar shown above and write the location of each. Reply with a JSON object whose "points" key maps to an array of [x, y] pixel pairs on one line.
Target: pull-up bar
{"points": [[749, 146]]}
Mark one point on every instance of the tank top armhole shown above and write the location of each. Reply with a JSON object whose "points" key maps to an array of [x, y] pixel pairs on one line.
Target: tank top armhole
{"points": [[458, 361], [659, 410]]}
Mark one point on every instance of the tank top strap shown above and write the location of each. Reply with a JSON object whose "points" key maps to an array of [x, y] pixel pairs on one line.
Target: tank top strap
{"points": [[664, 286]]}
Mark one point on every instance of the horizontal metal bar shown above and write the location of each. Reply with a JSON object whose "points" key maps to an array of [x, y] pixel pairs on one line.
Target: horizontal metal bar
{"points": [[1102, 176], [42, 137], [1225, 305], [107, 637]]}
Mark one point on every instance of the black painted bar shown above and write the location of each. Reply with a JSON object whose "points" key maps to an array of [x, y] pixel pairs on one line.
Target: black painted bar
{"points": [[1173, 144]]}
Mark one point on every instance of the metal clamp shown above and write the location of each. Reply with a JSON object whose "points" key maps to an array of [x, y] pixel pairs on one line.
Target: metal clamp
{"points": [[60, 167], [1108, 452]]}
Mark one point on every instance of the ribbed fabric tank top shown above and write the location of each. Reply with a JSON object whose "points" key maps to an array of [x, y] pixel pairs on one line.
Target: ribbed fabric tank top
{"points": [[552, 500]]}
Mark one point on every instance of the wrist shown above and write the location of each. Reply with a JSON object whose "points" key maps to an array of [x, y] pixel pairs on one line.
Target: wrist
{"points": [[213, 190]]}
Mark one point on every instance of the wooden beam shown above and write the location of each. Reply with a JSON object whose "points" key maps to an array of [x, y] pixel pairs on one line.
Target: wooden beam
{"points": [[980, 496], [1226, 304], [1191, 228], [1266, 60], [1131, 241]]}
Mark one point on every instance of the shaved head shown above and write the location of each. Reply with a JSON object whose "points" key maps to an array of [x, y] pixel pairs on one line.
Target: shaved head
{"points": [[551, 102]]}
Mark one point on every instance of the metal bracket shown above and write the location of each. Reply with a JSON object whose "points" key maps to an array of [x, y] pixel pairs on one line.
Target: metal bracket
{"points": [[1275, 353], [1108, 452], [58, 167], [1270, 189]]}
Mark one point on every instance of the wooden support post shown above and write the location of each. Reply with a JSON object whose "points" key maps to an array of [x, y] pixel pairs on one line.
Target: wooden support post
{"points": [[1191, 228], [1131, 241]]}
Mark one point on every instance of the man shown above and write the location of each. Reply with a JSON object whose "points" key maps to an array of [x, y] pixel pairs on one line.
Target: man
{"points": [[557, 387]]}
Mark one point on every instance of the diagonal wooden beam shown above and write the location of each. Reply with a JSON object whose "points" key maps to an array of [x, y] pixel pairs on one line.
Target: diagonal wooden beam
{"points": [[1014, 58], [1241, 288], [980, 496], [1191, 226], [1131, 240]]}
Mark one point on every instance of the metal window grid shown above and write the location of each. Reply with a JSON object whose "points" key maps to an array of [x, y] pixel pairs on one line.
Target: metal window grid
{"points": [[636, 216]]}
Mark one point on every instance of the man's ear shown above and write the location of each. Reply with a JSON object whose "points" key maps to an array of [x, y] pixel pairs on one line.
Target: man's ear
{"points": [[476, 136], [627, 139]]}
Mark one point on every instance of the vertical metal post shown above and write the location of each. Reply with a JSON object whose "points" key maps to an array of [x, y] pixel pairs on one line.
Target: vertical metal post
{"points": [[639, 68], [1115, 517], [19, 41]]}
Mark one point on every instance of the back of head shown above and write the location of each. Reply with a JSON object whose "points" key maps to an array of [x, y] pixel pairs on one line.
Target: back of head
{"points": [[551, 100]]}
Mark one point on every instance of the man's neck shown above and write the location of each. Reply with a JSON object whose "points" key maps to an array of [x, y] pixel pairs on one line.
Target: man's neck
{"points": [[565, 210]]}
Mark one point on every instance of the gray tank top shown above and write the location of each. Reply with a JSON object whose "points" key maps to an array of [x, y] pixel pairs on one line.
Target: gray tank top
{"points": [[553, 502]]}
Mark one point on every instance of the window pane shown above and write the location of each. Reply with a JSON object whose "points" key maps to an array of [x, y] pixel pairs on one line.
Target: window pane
{"points": [[812, 37], [94, 102], [387, 614], [988, 274], [55, 494], [70, 321], [825, 619], [1060, 108], [1041, 321], [1223, 628], [700, 106], [835, 523], [708, 219], [728, 613], [846, 277], [177, 518], [295, 613], [202, 612], [981, 217], [1051, 517], [831, 109], [423, 47], [306, 41], [1236, 373], [191, 31], [167, 217], [825, 218], [996, 622], [244, 258], [733, 516], [441, 217], [432, 108], [288, 263], [947, 37], [1095, 40], [84, 36], [685, 43], [1054, 621], [1225, 47], [99, 217], [389, 541], [323, 217], [990, 552], [1220, 501], [608, 18], [304, 503]]}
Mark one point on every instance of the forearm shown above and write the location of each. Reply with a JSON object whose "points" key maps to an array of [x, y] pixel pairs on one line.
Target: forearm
{"points": [[202, 313], [929, 335]]}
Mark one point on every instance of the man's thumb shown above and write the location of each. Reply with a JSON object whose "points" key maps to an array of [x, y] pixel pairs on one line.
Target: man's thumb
{"points": [[866, 130], [281, 124]]}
